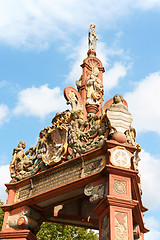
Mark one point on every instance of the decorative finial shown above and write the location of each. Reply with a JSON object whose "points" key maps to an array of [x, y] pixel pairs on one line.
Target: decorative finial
{"points": [[92, 40]]}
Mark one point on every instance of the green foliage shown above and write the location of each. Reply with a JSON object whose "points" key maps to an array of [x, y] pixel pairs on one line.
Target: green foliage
{"points": [[1, 215], [51, 231]]}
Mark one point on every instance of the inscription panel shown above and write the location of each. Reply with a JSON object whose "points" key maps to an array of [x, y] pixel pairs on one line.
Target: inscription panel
{"points": [[62, 175], [56, 177], [23, 193]]}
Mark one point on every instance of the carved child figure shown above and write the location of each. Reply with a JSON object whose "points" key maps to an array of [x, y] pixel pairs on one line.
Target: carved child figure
{"points": [[18, 155]]}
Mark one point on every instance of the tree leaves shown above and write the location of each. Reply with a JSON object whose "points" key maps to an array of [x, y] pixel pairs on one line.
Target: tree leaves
{"points": [[1, 215], [51, 231]]}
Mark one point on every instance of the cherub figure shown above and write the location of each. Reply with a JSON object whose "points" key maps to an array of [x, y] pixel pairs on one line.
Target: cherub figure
{"points": [[29, 160], [18, 155]]}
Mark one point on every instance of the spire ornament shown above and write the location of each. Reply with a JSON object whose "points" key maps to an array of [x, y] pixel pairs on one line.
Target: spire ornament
{"points": [[92, 39]]}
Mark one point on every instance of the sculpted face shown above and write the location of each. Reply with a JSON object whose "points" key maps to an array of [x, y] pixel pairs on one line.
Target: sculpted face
{"points": [[22, 145], [92, 26], [117, 98]]}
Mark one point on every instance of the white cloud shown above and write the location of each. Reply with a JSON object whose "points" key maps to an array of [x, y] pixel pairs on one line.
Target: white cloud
{"points": [[154, 227], [146, 4], [77, 56], [36, 23], [4, 178], [3, 83], [4, 113], [113, 75], [39, 102], [144, 102], [150, 178], [3, 159]]}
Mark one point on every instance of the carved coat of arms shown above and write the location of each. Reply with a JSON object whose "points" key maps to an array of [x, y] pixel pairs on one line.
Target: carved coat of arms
{"points": [[56, 146]]}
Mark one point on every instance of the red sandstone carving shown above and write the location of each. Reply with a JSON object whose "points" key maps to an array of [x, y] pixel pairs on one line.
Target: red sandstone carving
{"points": [[84, 168]]}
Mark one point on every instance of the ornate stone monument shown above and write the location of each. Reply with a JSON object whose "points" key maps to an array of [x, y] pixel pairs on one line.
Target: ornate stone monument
{"points": [[83, 170]]}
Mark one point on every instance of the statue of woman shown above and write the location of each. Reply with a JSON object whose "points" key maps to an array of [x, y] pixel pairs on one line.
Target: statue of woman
{"points": [[94, 88], [92, 38]]}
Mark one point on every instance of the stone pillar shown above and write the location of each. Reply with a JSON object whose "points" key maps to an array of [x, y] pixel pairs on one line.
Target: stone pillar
{"points": [[115, 219], [115, 210]]}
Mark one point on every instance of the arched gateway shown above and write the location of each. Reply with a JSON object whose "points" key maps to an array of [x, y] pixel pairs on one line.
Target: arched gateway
{"points": [[83, 170]]}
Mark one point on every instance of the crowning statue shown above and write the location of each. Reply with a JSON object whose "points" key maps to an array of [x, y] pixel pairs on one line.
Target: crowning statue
{"points": [[92, 38]]}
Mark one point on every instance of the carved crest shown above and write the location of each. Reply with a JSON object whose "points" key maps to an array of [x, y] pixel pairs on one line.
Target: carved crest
{"points": [[56, 146], [73, 98], [118, 115]]}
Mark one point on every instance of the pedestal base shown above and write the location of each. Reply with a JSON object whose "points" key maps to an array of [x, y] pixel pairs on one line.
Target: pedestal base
{"points": [[91, 108], [18, 235]]}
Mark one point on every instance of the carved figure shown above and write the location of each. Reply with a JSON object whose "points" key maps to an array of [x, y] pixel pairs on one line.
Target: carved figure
{"points": [[130, 136], [41, 145], [121, 227], [22, 165], [29, 161], [85, 135], [92, 37], [41, 149], [18, 155], [94, 88], [74, 98], [95, 193], [118, 118], [118, 102]]}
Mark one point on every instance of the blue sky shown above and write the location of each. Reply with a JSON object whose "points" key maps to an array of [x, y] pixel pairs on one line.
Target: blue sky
{"points": [[43, 43]]}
